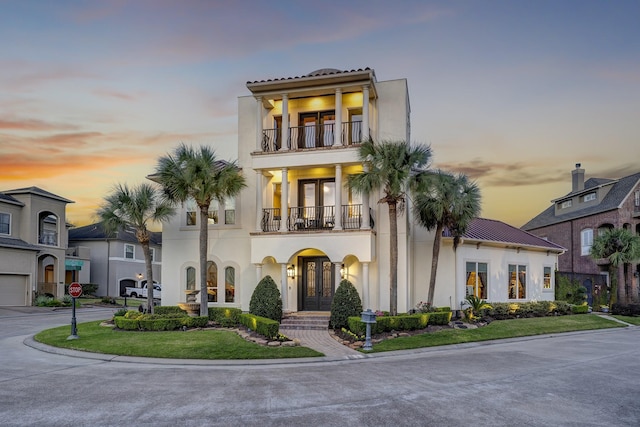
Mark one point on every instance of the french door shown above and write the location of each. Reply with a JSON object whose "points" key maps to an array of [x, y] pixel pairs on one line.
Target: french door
{"points": [[316, 129], [317, 283]]}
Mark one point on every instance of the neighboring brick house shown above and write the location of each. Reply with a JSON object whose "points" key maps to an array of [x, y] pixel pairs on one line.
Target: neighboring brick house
{"points": [[574, 219]]}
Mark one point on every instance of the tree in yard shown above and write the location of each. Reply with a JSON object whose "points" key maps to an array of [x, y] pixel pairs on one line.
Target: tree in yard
{"points": [[443, 200], [199, 175], [392, 167], [135, 208], [620, 247]]}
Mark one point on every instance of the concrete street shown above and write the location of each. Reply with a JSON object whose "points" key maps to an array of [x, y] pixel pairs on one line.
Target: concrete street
{"points": [[575, 379]]}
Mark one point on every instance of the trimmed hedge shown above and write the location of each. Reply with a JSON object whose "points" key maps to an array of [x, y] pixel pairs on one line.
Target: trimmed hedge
{"points": [[440, 317], [266, 300], [625, 310], [346, 303], [405, 322], [266, 327], [227, 317], [135, 321], [580, 309]]}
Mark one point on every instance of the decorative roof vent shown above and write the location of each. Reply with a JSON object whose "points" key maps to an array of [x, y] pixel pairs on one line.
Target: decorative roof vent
{"points": [[323, 71]]}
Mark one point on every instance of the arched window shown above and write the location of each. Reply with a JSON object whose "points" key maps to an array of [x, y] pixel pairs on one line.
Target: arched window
{"points": [[230, 284], [191, 278], [48, 229], [212, 281]]}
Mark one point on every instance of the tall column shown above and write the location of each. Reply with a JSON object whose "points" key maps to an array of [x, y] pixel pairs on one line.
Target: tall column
{"points": [[336, 268], [258, 273], [365, 112], [337, 134], [365, 286], [259, 189], [259, 123], [284, 132], [284, 286], [284, 200], [337, 224], [366, 224]]}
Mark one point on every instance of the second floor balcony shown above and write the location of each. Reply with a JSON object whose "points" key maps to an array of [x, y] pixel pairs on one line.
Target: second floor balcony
{"points": [[312, 136], [312, 218]]}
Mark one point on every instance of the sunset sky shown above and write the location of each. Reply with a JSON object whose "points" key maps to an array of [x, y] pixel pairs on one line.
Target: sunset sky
{"points": [[512, 93]]}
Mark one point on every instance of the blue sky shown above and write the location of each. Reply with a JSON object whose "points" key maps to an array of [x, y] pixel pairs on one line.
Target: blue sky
{"points": [[511, 93]]}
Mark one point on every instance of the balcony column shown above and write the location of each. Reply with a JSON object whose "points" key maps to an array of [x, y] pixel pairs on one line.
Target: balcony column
{"points": [[284, 286], [284, 132], [337, 132], [337, 220], [365, 112], [259, 123], [284, 201], [258, 272], [366, 224], [259, 190], [337, 266], [366, 301]]}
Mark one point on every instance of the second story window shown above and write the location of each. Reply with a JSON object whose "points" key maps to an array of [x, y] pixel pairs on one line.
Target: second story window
{"points": [[636, 197], [129, 251], [586, 241], [230, 211], [191, 208], [5, 223], [152, 252], [589, 197], [565, 204]]}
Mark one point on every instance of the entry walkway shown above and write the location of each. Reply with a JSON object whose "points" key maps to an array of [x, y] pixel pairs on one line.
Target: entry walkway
{"points": [[321, 341]]}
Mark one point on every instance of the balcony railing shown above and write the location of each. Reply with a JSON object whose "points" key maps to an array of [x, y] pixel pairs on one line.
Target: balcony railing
{"points": [[312, 218], [311, 136], [48, 238]]}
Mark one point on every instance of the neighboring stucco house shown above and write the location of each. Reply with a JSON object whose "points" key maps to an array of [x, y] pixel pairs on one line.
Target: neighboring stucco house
{"points": [[33, 240], [117, 261], [298, 140], [574, 219]]}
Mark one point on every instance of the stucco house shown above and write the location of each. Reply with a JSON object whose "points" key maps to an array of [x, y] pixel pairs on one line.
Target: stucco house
{"points": [[33, 242], [573, 220], [117, 260], [298, 140]]}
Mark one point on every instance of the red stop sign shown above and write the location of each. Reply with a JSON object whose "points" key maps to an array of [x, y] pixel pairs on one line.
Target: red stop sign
{"points": [[75, 289]]}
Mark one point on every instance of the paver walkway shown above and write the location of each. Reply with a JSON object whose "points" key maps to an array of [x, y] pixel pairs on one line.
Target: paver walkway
{"points": [[321, 341]]}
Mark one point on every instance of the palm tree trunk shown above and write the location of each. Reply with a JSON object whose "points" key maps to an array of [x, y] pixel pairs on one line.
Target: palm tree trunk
{"points": [[393, 250], [434, 263], [147, 263], [204, 236]]}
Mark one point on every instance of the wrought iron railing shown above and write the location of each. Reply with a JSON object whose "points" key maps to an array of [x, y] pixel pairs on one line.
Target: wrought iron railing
{"points": [[312, 218], [311, 136], [48, 238]]}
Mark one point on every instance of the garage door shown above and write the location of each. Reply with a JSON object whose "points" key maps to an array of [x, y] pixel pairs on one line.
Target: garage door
{"points": [[13, 289]]}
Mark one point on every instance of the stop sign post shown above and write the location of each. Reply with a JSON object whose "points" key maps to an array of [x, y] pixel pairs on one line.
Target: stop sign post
{"points": [[75, 290]]}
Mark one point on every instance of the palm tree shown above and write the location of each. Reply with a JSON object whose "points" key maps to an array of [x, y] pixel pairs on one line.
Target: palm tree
{"points": [[390, 166], [620, 247], [199, 175], [443, 200], [135, 208]]}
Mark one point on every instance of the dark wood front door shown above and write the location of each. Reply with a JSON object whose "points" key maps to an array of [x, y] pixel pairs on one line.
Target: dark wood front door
{"points": [[317, 284]]}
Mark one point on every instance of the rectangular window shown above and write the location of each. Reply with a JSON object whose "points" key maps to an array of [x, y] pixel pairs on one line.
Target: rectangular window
{"points": [[152, 252], [566, 204], [5, 223], [546, 285], [589, 197], [129, 251], [586, 241], [636, 198], [230, 211], [477, 279], [213, 213], [517, 281], [191, 208]]}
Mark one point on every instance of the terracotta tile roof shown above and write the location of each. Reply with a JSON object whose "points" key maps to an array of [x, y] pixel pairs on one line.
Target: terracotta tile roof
{"points": [[316, 73], [489, 230]]}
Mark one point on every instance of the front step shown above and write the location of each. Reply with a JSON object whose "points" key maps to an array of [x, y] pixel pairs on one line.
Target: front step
{"points": [[305, 322]]}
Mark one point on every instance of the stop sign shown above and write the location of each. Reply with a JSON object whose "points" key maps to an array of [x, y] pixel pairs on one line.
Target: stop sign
{"points": [[75, 289]]}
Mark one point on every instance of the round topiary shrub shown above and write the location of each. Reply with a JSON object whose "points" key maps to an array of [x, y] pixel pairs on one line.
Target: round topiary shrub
{"points": [[346, 303], [266, 301]]}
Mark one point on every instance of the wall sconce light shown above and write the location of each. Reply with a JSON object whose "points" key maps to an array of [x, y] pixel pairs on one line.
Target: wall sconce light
{"points": [[343, 272], [139, 276], [291, 271]]}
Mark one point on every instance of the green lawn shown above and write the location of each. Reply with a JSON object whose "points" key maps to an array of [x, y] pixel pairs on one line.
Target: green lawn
{"points": [[634, 320], [195, 344], [498, 330]]}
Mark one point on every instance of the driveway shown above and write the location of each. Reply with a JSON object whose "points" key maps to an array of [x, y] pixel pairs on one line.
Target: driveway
{"points": [[575, 379]]}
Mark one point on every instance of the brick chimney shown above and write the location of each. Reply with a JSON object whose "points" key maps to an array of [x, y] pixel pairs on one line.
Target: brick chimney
{"points": [[577, 179]]}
